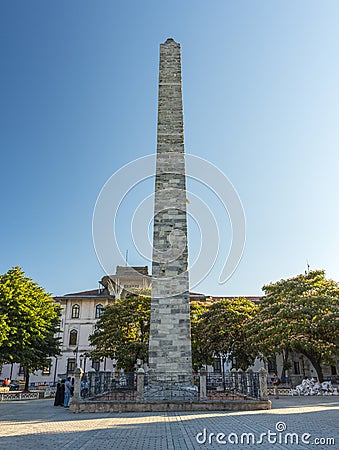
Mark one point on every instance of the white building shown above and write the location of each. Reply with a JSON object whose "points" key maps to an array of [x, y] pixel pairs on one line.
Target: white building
{"points": [[80, 312]]}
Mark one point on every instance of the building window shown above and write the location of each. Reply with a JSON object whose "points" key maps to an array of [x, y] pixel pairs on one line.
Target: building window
{"points": [[21, 370], [96, 365], [75, 311], [98, 311], [296, 368], [70, 365], [73, 336]]}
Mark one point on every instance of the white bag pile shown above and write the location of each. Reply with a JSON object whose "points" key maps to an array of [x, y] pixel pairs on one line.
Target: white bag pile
{"points": [[313, 387]]}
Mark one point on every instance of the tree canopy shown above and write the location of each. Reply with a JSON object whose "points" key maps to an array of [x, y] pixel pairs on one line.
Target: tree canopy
{"points": [[123, 331], [29, 320], [222, 329], [201, 354], [218, 328], [299, 314]]}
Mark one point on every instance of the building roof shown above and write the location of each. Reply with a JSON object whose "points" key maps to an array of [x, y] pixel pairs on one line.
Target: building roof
{"points": [[94, 293], [130, 271], [103, 293], [251, 298]]}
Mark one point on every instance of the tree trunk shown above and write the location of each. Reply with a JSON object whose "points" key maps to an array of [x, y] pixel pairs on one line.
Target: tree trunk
{"points": [[284, 364], [318, 369], [26, 380], [316, 362]]}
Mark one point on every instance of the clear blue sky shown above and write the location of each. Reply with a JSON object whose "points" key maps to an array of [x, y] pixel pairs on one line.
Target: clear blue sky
{"points": [[79, 100]]}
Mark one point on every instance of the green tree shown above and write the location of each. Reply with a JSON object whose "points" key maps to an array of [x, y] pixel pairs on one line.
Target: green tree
{"points": [[4, 328], [31, 320], [222, 330], [123, 331], [201, 354], [299, 314]]}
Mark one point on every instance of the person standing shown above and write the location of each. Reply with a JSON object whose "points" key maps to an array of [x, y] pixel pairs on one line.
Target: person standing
{"points": [[275, 385], [60, 394], [68, 391]]}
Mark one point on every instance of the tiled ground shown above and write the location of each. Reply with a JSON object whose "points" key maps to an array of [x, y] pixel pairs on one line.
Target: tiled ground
{"points": [[37, 424]]}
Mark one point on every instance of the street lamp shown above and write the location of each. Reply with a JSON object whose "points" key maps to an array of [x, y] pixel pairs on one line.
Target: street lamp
{"points": [[55, 369], [84, 356], [75, 351]]}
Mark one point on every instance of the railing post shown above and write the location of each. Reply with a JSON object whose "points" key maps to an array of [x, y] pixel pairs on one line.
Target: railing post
{"points": [[240, 382], [77, 385], [263, 383], [248, 381], [107, 380], [140, 384], [101, 382], [233, 375], [203, 389], [91, 382]]}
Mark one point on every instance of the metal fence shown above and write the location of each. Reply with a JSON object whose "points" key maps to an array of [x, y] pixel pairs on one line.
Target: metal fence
{"points": [[105, 386], [14, 396], [233, 385], [228, 386]]}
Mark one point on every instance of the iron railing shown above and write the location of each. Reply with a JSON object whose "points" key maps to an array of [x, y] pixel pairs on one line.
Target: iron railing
{"points": [[105, 386], [228, 386], [233, 385]]}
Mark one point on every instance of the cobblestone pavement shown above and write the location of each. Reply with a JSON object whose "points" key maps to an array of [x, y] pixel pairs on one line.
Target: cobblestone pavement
{"points": [[37, 424]]}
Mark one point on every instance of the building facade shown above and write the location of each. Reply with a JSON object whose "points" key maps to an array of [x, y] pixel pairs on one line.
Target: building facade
{"points": [[80, 312]]}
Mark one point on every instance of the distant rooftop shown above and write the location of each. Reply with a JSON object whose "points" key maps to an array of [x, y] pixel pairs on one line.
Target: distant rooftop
{"points": [[142, 271], [94, 293], [128, 271], [251, 298]]}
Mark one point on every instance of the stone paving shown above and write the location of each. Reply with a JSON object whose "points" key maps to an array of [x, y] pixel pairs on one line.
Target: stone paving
{"points": [[37, 424]]}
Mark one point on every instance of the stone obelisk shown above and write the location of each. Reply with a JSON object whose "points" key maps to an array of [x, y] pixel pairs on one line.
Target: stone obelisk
{"points": [[170, 357]]}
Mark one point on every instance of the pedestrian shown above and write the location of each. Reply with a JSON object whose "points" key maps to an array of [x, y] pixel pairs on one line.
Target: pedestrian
{"points": [[68, 390], [275, 383], [60, 394], [84, 387]]}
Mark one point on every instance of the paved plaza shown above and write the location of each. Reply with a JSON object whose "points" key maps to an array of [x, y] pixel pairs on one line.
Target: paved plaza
{"points": [[37, 424]]}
